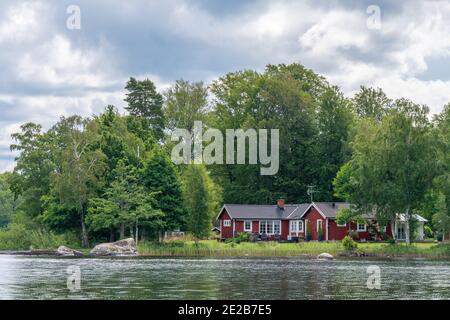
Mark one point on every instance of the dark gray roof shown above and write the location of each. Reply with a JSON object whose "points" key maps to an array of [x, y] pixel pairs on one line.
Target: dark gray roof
{"points": [[252, 211], [330, 209], [291, 211]]}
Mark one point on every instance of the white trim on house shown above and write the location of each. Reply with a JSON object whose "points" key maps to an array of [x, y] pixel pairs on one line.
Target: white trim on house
{"points": [[221, 210], [273, 226], [299, 224], [226, 223], [251, 225], [361, 230], [317, 226], [234, 226], [316, 207]]}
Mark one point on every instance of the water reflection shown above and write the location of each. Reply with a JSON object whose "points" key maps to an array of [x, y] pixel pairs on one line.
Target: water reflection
{"points": [[250, 278]]}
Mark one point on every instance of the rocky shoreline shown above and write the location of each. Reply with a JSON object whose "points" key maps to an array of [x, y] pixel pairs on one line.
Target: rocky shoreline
{"points": [[121, 248]]}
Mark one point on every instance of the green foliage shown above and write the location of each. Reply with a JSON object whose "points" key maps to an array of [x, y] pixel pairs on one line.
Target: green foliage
{"points": [[240, 237], [392, 165], [196, 198], [185, 103], [160, 175], [308, 231], [20, 237], [8, 202], [428, 231], [349, 244], [145, 105], [320, 233]]}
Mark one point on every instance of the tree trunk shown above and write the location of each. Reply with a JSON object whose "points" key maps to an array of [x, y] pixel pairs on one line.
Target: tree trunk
{"points": [[112, 235], [131, 232], [84, 235], [407, 231], [393, 231], [122, 231], [137, 233]]}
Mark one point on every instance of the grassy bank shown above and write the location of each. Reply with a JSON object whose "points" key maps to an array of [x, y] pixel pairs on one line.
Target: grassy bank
{"points": [[274, 249]]}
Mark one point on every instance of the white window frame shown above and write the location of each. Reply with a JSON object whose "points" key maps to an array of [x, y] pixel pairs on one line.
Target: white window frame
{"points": [[247, 229], [293, 227], [361, 230], [296, 226], [227, 223], [317, 225], [272, 226]]}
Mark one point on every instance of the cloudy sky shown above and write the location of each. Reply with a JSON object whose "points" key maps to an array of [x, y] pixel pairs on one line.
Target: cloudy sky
{"points": [[48, 70]]}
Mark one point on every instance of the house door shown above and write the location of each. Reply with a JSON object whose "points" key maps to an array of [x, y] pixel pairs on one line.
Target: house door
{"points": [[319, 227], [401, 231]]}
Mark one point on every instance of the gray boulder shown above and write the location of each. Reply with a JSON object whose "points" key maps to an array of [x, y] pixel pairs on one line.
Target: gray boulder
{"points": [[67, 252], [121, 248], [325, 256]]}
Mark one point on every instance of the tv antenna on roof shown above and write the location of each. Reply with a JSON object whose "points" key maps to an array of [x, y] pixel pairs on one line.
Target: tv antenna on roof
{"points": [[310, 191]]}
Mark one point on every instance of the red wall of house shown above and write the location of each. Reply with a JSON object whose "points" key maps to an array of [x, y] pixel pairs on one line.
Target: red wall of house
{"points": [[338, 233], [226, 232], [310, 219], [335, 232], [255, 226], [284, 229]]}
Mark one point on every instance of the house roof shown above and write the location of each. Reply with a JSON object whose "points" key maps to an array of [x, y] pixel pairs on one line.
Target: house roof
{"points": [[250, 211], [401, 218], [293, 211], [330, 209]]}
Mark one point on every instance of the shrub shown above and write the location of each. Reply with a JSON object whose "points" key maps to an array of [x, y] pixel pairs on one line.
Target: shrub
{"points": [[428, 232], [308, 233], [17, 236], [240, 237], [349, 244]]}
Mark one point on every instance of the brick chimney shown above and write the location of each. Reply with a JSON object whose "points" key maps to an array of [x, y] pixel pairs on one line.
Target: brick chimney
{"points": [[280, 203]]}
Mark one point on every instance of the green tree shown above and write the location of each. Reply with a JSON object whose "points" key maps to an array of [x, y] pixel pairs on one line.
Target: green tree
{"points": [[371, 103], [34, 166], [393, 164], [81, 167], [196, 198], [145, 104], [334, 118], [8, 202], [160, 175], [185, 103]]}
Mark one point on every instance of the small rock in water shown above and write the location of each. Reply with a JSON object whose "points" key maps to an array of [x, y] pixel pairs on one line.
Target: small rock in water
{"points": [[325, 256], [121, 248], [67, 252]]}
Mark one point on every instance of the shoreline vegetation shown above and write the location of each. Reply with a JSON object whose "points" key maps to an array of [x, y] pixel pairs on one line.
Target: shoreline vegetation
{"points": [[212, 248], [117, 174]]}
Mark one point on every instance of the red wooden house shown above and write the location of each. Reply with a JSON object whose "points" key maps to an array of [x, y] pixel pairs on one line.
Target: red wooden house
{"points": [[283, 221]]}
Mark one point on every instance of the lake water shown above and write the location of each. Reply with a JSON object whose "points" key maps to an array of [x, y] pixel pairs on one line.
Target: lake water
{"points": [[23, 277]]}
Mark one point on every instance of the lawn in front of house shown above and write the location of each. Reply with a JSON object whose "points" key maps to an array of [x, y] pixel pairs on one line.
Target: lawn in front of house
{"points": [[271, 248]]}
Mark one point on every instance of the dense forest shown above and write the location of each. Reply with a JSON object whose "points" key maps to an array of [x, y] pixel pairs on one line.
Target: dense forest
{"points": [[110, 176]]}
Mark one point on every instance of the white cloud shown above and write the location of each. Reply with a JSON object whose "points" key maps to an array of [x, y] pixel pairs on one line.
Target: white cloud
{"points": [[48, 72]]}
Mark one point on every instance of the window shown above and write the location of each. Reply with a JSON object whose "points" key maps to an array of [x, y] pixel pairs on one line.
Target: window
{"points": [[300, 226], [247, 225], [296, 226], [227, 223], [270, 226], [361, 227], [276, 227]]}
